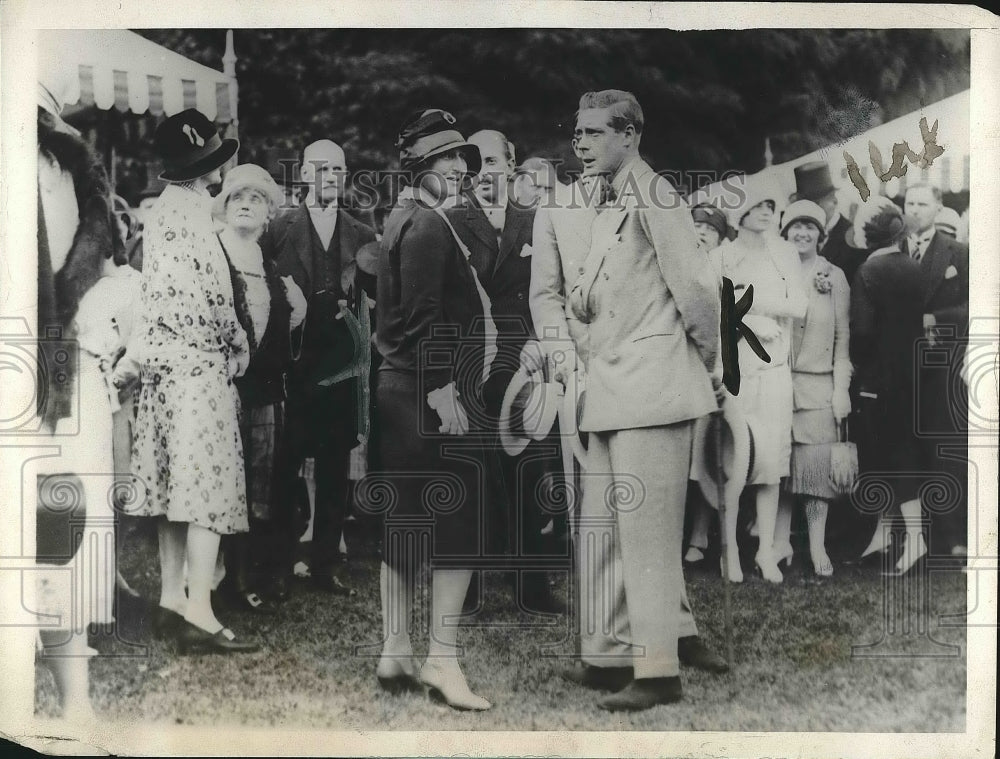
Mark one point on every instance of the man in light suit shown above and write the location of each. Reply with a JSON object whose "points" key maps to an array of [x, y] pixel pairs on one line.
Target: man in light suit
{"points": [[942, 405], [643, 317]]}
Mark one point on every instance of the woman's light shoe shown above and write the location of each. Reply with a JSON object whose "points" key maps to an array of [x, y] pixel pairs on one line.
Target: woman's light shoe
{"points": [[694, 555], [823, 566], [911, 555], [769, 568], [451, 688], [784, 553], [735, 573]]}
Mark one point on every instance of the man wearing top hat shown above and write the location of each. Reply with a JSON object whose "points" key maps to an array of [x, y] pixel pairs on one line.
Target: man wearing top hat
{"points": [[813, 182], [648, 300], [317, 245]]}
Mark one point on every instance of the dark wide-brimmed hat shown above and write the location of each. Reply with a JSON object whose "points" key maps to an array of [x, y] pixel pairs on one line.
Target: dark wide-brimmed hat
{"points": [[813, 181], [430, 132], [190, 147]]}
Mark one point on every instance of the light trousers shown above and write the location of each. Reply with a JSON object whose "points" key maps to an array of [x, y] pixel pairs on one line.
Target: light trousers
{"points": [[634, 605]]}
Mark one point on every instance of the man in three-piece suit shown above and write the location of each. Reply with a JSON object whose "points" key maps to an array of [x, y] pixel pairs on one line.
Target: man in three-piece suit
{"points": [[942, 420], [317, 245], [648, 302], [497, 234]]}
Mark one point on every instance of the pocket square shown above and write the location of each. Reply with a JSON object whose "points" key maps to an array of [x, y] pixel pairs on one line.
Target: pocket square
{"points": [[526, 251], [950, 272]]}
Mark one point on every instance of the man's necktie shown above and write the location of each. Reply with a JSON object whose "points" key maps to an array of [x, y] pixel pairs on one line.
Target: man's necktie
{"points": [[917, 248]]}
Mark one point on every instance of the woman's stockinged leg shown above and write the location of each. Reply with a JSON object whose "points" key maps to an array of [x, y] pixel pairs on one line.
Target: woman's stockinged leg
{"points": [[202, 551], [396, 586], [69, 662], [442, 672], [767, 513], [173, 547], [816, 513]]}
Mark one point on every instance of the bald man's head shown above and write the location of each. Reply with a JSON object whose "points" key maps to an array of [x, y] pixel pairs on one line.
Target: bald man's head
{"points": [[324, 169], [497, 153]]}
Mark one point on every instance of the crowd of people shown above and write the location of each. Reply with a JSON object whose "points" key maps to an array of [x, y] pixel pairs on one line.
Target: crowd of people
{"points": [[498, 320]]}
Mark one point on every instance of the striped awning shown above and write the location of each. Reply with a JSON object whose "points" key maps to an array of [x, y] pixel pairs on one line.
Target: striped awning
{"points": [[114, 68]]}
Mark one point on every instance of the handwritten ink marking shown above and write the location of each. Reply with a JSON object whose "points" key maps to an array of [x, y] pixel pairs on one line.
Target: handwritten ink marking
{"points": [[732, 328], [900, 150]]}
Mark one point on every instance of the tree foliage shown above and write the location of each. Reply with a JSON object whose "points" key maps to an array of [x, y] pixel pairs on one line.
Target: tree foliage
{"points": [[710, 98]]}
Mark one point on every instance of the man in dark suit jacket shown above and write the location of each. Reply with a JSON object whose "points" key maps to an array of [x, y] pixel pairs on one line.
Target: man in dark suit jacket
{"points": [[317, 245], [942, 421], [497, 233], [813, 182]]}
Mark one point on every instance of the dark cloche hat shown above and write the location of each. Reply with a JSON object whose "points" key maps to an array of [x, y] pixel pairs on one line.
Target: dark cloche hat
{"points": [[190, 146], [812, 181], [713, 216], [429, 132]]}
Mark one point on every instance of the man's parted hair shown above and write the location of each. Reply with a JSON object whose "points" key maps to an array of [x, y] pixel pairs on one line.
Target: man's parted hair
{"points": [[625, 109]]}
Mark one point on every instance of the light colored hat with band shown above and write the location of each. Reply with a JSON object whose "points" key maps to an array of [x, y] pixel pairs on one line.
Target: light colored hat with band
{"points": [[528, 411]]}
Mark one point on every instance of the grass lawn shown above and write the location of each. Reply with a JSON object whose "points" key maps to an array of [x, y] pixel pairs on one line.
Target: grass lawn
{"points": [[793, 652]]}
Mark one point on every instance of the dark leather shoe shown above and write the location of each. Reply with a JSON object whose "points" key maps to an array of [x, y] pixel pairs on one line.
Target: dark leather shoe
{"points": [[332, 584], [598, 678], [692, 652], [251, 602], [194, 639], [279, 589], [166, 622], [642, 694]]}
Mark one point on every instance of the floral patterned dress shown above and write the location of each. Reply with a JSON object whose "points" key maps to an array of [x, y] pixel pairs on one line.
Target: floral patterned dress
{"points": [[187, 451]]}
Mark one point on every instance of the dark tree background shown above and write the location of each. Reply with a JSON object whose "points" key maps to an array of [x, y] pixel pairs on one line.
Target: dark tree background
{"points": [[710, 98]]}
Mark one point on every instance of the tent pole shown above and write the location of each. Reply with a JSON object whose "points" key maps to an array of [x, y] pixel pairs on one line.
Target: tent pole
{"points": [[229, 69]]}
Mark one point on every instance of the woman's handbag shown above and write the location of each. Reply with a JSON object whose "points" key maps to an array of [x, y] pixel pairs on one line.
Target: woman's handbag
{"points": [[843, 461]]}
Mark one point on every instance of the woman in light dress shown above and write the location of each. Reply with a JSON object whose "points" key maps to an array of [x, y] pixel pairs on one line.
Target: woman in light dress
{"points": [[759, 258]]}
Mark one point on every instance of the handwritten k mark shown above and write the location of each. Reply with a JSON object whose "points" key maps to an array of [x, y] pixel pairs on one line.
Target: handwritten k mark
{"points": [[732, 329]]}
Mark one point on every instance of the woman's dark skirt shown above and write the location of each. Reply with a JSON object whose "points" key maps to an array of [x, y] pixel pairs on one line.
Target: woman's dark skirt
{"points": [[430, 485]]}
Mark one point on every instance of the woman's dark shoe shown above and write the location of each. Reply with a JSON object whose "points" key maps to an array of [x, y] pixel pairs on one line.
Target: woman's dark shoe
{"points": [[193, 639], [394, 678], [166, 622]]}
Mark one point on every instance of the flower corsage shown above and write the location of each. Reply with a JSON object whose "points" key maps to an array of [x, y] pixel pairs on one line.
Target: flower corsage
{"points": [[822, 282]]}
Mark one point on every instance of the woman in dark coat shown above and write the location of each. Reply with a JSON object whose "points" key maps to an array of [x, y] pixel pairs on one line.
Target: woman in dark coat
{"points": [[431, 312], [886, 327], [268, 308]]}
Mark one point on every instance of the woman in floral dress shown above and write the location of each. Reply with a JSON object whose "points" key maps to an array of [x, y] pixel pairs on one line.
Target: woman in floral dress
{"points": [[187, 451]]}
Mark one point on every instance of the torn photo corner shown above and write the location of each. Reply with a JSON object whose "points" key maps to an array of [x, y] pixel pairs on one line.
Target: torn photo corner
{"points": [[763, 239]]}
